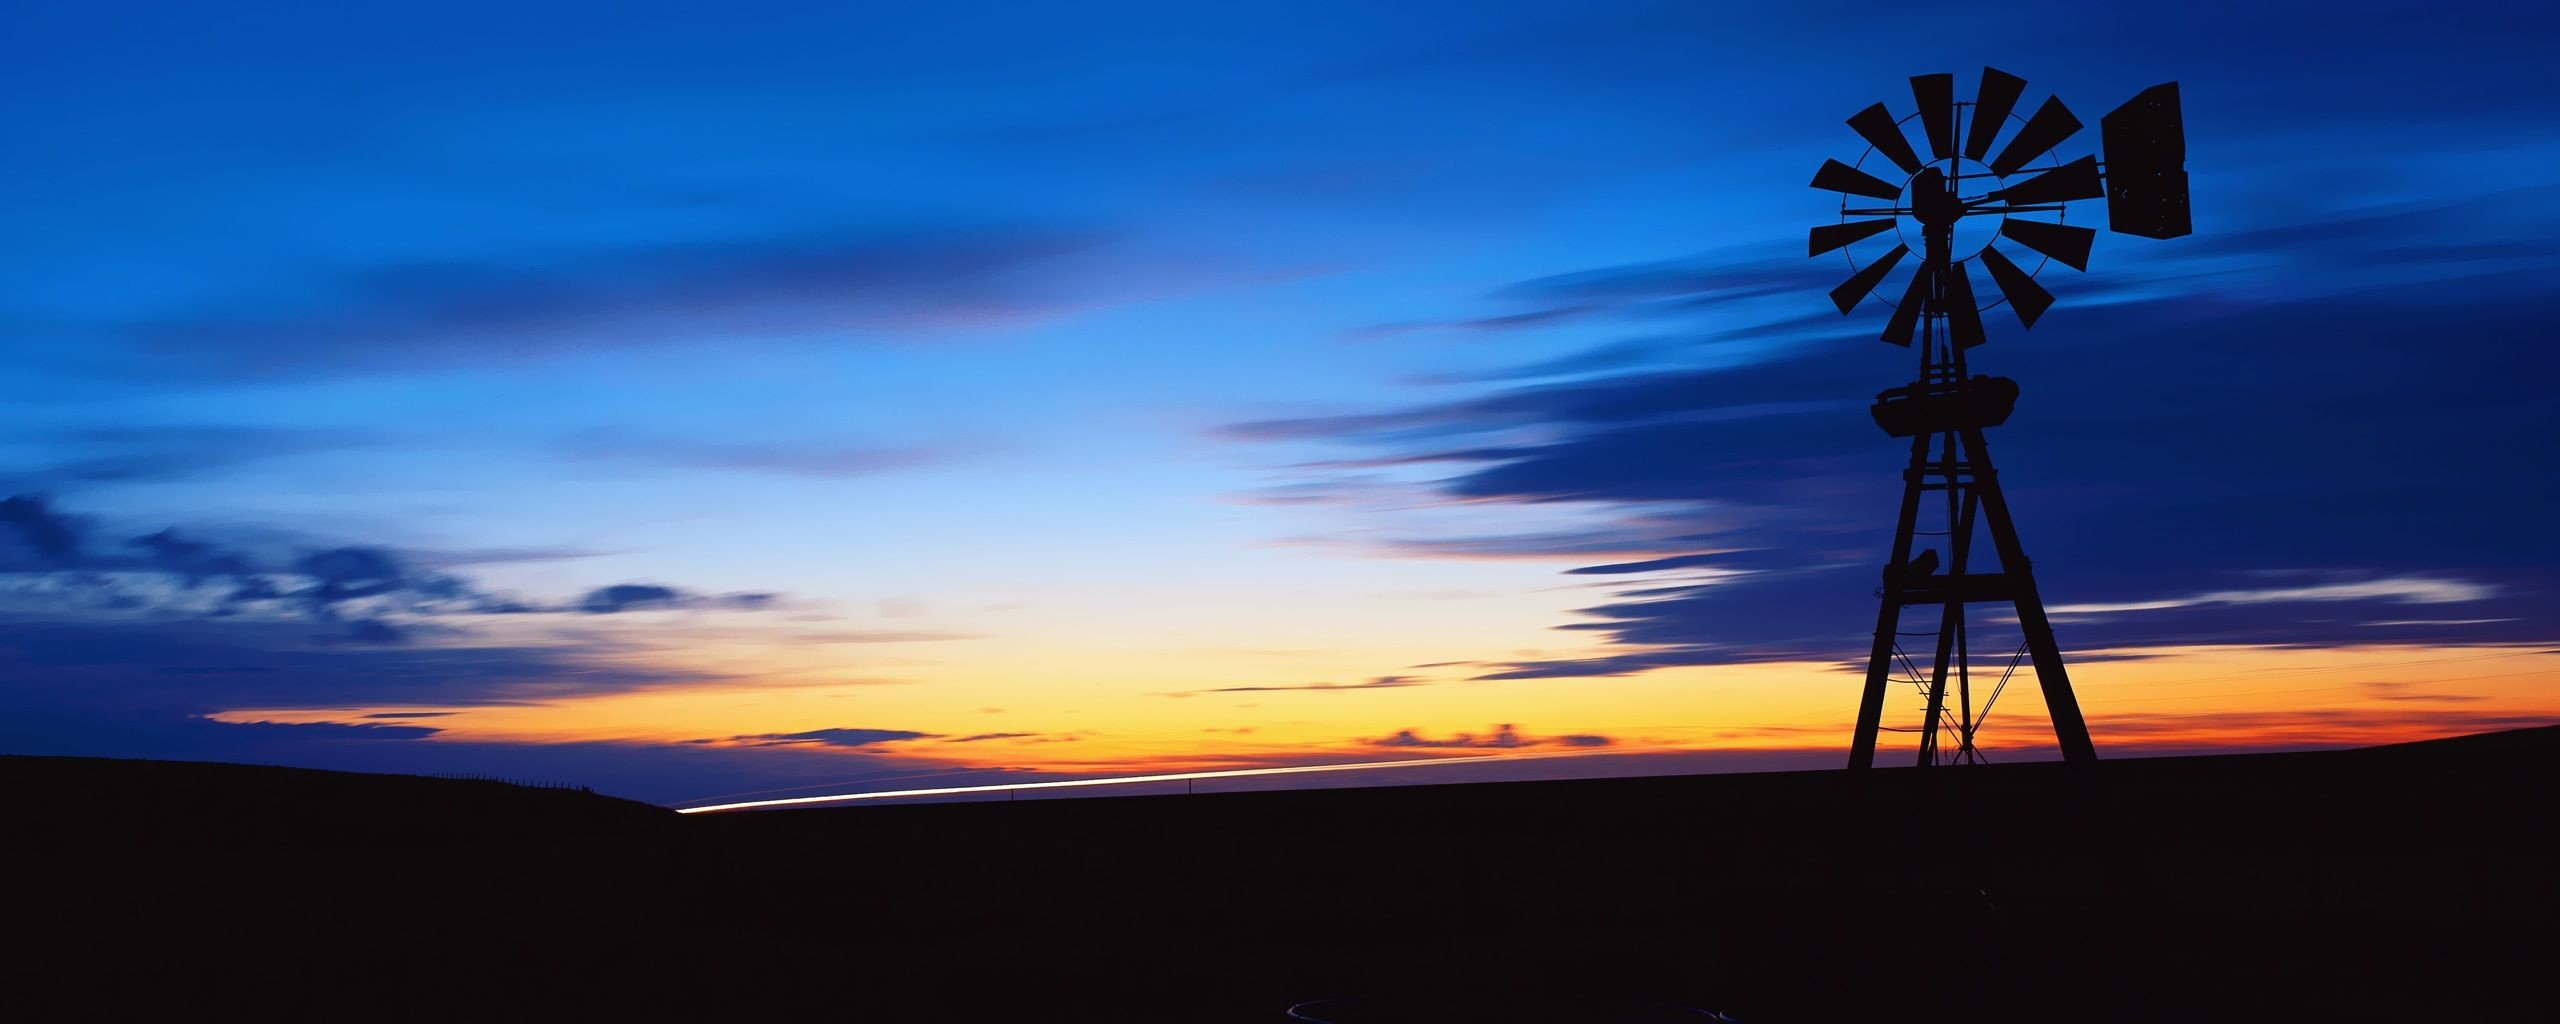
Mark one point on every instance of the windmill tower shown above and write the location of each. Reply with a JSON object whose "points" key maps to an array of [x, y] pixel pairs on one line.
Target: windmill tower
{"points": [[1961, 205]]}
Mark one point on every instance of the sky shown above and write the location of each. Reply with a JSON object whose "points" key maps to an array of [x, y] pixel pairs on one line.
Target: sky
{"points": [[749, 398]]}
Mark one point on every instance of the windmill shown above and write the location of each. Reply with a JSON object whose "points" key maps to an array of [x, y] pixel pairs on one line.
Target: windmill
{"points": [[1965, 204]]}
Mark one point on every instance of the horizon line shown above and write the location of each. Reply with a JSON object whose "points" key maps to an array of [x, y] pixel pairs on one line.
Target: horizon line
{"points": [[1119, 780]]}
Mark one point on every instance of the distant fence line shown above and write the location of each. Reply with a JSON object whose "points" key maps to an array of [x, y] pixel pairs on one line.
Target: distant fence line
{"points": [[521, 783]]}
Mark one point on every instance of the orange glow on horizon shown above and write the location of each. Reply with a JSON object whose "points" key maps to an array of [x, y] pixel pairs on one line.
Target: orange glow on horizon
{"points": [[1083, 717]]}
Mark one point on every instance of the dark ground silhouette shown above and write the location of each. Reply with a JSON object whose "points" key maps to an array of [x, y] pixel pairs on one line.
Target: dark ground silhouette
{"points": [[2399, 883]]}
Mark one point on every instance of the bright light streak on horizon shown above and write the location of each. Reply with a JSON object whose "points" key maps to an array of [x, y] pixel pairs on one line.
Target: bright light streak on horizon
{"points": [[1123, 780]]}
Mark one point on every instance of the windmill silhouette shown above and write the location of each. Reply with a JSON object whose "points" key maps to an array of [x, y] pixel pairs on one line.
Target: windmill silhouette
{"points": [[1962, 205]]}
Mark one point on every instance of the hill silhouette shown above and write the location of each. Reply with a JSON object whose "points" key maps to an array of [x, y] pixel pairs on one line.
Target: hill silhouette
{"points": [[2404, 882], [83, 800]]}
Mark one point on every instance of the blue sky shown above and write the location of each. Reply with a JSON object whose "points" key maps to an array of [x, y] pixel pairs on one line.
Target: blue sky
{"points": [[1001, 337]]}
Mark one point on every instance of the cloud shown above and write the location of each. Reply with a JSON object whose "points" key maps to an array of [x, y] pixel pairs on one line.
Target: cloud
{"points": [[131, 454], [836, 737], [359, 586], [1649, 565], [168, 625], [146, 687], [192, 561], [2206, 467], [369, 631], [168, 572], [2397, 590], [2469, 236], [1714, 277], [626, 597], [346, 574], [1649, 658], [38, 535], [133, 709], [1377, 683], [1623, 532], [1616, 355], [815, 459], [1504, 737], [1769, 396], [461, 312], [881, 636], [335, 730], [1501, 322], [450, 558], [985, 736], [2401, 691], [633, 597]]}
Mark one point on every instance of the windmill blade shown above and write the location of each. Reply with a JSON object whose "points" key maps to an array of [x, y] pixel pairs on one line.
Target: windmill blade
{"points": [[2066, 242], [2045, 129], [1936, 95], [1875, 125], [1964, 319], [1905, 316], [2075, 180], [1839, 177], [1991, 103], [2024, 294], [1859, 284], [1833, 236]]}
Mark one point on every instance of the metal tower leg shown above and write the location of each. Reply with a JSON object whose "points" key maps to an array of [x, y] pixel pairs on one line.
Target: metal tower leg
{"points": [[2069, 729], [1963, 548], [1951, 613], [1862, 746]]}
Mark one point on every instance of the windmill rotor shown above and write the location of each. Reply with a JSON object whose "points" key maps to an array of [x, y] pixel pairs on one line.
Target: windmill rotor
{"points": [[1964, 196]]}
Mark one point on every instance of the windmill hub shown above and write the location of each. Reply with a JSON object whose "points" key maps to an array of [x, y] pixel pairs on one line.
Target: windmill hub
{"points": [[1936, 197]]}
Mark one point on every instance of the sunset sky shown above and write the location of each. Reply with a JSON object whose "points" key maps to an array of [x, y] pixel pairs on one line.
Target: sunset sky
{"points": [[695, 400]]}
